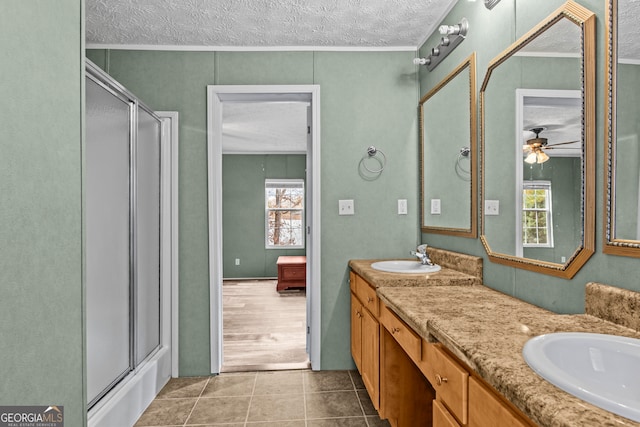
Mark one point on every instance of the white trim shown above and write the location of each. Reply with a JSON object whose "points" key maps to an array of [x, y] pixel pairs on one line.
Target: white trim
{"points": [[216, 95], [628, 61], [123, 405], [170, 124], [198, 48]]}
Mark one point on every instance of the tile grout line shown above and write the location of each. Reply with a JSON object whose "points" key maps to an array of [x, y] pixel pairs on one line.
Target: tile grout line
{"points": [[253, 391], [364, 415], [197, 400], [304, 397]]}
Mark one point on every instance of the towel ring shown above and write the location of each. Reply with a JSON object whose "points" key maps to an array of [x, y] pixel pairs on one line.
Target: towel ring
{"points": [[373, 152]]}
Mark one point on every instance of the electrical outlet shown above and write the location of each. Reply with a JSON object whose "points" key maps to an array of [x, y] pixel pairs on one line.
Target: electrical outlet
{"points": [[402, 206], [492, 207], [237, 261], [435, 206], [345, 207]]}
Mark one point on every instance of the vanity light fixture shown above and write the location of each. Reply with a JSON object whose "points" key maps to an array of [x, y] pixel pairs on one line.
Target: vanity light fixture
{"points": [[452, 36], [489, 4]]}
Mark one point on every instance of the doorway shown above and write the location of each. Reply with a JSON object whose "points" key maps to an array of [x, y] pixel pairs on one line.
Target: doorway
{"points": [[232, 97]]}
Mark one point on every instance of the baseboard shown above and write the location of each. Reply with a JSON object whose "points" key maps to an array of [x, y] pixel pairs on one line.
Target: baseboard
{"points": [[126, 402]]}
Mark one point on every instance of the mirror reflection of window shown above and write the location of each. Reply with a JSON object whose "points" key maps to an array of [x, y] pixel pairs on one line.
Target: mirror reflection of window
{"points": [[537, 229]]}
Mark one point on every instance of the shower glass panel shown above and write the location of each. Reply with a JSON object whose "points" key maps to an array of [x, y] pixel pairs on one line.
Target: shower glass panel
{"points": [[107, 238], [147, 235]]}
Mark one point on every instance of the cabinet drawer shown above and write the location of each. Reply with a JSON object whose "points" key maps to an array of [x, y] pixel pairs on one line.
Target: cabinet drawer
{"points": [[450, 381], [293, 273], [442, 417], [367, 295], [486, 409], [403, 334]]}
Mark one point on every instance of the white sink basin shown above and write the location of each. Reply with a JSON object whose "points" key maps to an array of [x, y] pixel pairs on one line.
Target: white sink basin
{"points": [[406, 267], [601, 369]]}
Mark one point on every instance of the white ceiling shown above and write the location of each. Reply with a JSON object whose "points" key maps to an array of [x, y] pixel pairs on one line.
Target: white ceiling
{"points": [[263, 23], [628, 31], [264, 127]]}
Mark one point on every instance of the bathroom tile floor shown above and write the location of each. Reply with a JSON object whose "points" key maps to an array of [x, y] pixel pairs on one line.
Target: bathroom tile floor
{"points": [[264, 399]]}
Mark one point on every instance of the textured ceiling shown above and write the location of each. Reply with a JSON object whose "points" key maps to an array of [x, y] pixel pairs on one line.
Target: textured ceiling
{"points": [[264, 23], [264, 127], [628, 30]]}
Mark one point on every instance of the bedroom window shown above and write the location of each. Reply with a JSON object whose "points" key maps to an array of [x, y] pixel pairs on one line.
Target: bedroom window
{"points": [[284, 213], [536, 214]]}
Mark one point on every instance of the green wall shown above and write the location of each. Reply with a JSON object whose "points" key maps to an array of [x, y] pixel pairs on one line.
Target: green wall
{"points": [[41, 309], [491, 32], [367, 98], [243, 211]]}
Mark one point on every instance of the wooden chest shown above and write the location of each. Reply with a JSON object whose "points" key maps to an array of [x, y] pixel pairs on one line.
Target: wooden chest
{"points": [[292, 272]]}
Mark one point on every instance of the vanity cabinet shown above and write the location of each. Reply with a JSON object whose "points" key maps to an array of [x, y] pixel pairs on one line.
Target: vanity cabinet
{"points": [[405, 393], [365, 335], [413, 382], [462, 399]]}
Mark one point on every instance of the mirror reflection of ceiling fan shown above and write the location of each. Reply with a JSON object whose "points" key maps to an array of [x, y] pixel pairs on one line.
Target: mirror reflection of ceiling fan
{"points": [[534, 149]]}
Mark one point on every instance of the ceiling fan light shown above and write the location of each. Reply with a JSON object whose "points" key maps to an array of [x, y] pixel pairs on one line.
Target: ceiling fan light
{"points": [[542, 156], [531, 158]]}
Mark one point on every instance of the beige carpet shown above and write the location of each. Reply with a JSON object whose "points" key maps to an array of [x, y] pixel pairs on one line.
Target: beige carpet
{"points": [[263, 329]]}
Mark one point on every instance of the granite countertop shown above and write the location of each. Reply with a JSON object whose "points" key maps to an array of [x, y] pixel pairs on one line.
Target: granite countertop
{"points": [[487, 330], [446, 276]]}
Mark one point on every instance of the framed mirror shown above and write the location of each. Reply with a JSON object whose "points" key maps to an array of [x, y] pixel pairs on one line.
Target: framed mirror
{"points": [[622, 165], [538, 147], [448, 154]]}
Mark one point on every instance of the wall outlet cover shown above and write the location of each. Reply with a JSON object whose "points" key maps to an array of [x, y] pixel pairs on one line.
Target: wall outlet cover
{"points": [[346, 207], [492, 207]]}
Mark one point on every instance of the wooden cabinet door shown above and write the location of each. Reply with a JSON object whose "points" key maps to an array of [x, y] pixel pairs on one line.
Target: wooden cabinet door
{"points": [[488, 410], [356, 332], [371, 356], [442, 417]]}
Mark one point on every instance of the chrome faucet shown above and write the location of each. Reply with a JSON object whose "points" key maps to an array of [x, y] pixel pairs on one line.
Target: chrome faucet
{"points": [[421, 254]]}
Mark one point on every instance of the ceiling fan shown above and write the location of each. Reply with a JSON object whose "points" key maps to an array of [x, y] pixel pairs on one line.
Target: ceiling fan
{"points": [[535, 148]]}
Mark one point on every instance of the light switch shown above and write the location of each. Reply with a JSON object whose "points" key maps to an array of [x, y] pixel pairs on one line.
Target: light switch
{"points": [[345, 207], [402, 206], [435, 206]]}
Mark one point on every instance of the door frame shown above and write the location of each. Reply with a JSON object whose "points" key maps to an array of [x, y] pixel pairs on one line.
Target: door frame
{"points": [[216, 96]]}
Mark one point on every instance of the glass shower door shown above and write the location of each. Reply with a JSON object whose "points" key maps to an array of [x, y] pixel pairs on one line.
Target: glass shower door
{"points": [[108, 295]]}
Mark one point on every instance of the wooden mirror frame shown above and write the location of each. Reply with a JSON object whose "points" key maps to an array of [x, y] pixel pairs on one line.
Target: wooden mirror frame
{"points": [[585, 19], [610, 244], [471, 231]]}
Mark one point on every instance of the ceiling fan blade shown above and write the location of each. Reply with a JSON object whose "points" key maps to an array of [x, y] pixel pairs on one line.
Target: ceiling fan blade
{"points": [[559, 143]]}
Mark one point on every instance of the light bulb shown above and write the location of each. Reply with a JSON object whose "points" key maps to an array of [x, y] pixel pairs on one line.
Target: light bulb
{"points": [[542, 156], [531, 158]]}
